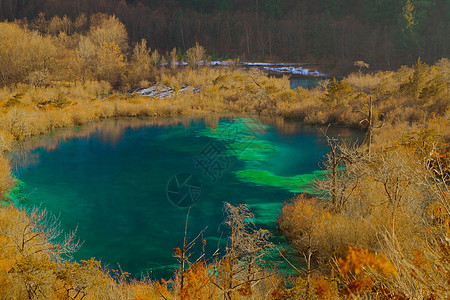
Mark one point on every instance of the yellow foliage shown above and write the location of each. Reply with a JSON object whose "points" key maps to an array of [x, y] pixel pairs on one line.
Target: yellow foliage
{"points": [[338, 92], [22, 52]]}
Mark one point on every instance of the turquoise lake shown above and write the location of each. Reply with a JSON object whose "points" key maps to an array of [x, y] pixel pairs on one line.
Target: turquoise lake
{"points": [[116, 181]]}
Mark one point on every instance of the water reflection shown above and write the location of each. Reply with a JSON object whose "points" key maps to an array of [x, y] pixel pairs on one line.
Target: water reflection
{"points": [[286, 127], [112, 131]]}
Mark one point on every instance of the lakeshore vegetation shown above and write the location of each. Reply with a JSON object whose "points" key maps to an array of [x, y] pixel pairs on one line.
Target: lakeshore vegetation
{"points": [[334, 33], [377, 225]]}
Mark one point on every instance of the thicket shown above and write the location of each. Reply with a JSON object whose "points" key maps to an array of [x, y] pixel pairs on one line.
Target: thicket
{"points": [[377, 227], [329, 32]]}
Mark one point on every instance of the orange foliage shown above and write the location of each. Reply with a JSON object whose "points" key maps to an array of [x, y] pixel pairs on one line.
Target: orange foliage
{"points": [[195, 283], [418, 258], [358, 267], [358, 259], [322, 288], [245, 290]]}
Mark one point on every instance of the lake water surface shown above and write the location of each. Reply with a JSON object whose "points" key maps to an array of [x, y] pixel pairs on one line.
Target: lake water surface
{"points": [[121, 181], [304, 82]]}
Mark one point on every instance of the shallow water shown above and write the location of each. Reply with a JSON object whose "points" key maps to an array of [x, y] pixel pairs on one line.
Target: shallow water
{"points": [[304, 82], [114, 180]]}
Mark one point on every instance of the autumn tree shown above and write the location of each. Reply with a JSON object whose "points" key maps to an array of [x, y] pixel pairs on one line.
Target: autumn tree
{"points": [[57, 25], [141, 67], [16, 121], [340, 176], [23, 52], [195, 56], [85, 279], [86, 55], [239, 269], [338, 92], [101, 51], [108, 29], [370, 120], [173, 59], [301, 220], [32, 241], [421, 264], [317, 233], [188, 267], [110, 64]]}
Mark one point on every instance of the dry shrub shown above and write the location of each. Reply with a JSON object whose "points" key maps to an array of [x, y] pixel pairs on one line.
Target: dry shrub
{"points": [[144, 84], [364, 82], [389, 84], [125, 109], [80, 114], [315, 116], [97, 88], [317, 233], [6, 180], [57, 119], [6, 140], [147, 290], [16, 121], [105, 109], [384, 212]]}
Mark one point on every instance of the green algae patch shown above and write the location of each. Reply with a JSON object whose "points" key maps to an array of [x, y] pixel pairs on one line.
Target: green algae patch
{"points": [[296, 184], [257, 150], [242, 139], [236, 130]]}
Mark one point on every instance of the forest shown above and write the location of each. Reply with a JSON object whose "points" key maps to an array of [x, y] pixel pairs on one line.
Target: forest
{"points": [[331, 33], [377, 226]]}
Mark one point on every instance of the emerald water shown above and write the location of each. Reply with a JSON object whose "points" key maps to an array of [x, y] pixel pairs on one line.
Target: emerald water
{"points": [[304, 82], [112, 181]]}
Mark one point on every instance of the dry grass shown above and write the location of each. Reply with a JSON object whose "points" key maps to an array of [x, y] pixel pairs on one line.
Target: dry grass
{"points": [[365, 82]]}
